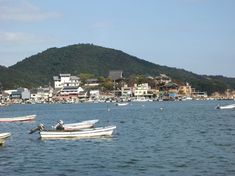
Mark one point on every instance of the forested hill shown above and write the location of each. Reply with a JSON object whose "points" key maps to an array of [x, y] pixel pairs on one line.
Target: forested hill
{"points": [[86, 58]]}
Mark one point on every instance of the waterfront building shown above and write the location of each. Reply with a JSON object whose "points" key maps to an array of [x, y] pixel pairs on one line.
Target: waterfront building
{"points": [[142, 90], [185, 90], [170, 87], [65, 80], [42, 94], [20, 93], [92, 83], [126, 91], [94, 94], [201, 95], [70, 90]]}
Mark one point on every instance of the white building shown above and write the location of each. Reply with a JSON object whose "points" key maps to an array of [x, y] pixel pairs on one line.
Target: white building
{"points": [[65, 80], [41, 94], [141, 89], [71, 90], [94, 94], [126, 91]]}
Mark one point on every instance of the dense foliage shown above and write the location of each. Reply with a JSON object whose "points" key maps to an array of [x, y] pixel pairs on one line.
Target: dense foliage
{"points": [[39, 69]]}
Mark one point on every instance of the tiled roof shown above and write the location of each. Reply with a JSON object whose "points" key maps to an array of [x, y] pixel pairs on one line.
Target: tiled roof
{"points": [[74, 78], [65, 75]]}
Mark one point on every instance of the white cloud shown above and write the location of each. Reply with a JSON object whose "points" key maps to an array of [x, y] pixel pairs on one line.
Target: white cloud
{"points": [[23, 11], [8, 38]]}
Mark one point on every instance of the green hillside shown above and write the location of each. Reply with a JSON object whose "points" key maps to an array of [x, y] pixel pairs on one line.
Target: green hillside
{"points": [[86, 58]]}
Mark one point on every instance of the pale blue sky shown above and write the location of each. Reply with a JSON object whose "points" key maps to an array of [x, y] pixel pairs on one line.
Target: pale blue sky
{"points": [[196, 35]]}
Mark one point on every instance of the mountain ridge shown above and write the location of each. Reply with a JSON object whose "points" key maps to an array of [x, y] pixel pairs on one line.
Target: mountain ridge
{"points": [[39, 69]]}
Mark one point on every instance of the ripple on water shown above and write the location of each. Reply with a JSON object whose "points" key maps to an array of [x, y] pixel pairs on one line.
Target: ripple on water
{"points": [[186, 138]]}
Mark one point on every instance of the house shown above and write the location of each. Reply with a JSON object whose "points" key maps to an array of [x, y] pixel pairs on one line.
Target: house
{"points": [[70, 90], [185, 90], [200, 94], [126, 91], [20, 93], [170, 87], [41, 94], [65, 80], [163, 79], [94, 94], [141, 89], [92, 82]]}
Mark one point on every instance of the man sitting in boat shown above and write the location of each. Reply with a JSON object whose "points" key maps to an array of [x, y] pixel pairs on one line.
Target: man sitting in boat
{"points": [[59, 125], [40, 127]]}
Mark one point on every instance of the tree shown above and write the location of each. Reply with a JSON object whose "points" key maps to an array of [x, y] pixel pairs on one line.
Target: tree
{"points": [[85, 76]]}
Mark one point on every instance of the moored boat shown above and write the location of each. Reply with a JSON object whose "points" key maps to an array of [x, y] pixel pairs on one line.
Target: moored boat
{"points": [[83, 133], [121, 104], [18, 119], [231, 106], [3, 137], [76, 126]]}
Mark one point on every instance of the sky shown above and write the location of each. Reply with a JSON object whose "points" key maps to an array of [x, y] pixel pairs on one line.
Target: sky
{"points": [[195, 35]]}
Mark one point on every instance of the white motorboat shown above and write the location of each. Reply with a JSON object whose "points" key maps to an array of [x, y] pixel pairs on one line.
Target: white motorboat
{"points": [[76, 126], [3, 137], [140, 99], [18, 119], [83, 133], [231, 106], [121, 104]]}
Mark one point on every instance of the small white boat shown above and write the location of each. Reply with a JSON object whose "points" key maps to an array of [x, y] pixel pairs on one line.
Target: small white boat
{"points": [[231, 106], [3, 137], [121, 104], [18, 119], [84, 133], [140, 99], [77, 126], [187, 98]]}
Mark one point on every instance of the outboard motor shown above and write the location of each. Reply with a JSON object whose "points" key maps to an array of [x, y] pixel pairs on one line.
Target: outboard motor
{"points": [[59, 125], [40, 127]]}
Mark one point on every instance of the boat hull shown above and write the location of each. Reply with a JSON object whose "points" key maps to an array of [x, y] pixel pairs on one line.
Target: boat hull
{"points": [[86, 133], [3, 137], [18, 119], [232, 106], [122, 104]]}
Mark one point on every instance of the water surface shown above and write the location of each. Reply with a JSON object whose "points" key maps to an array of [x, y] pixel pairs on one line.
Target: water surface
{"points": [[185, 138]]}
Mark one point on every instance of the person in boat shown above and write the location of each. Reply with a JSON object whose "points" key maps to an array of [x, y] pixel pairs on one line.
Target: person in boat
{"points": [[40, 127], [59, 125]]}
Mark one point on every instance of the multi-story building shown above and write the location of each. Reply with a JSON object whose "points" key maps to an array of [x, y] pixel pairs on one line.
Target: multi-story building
{"points": [[20, 93], [64, 80], [42, 94], [141, 89], [185, 90], [126, 91]]}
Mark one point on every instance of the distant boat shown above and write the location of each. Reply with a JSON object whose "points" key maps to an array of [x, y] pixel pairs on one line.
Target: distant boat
{"points": [[121, 104], [231, 106], [187, 98], [77, 126], [3, 137], [140, 99], [18, 119], [84, 133]]}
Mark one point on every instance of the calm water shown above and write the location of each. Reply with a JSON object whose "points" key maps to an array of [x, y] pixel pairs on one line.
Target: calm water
{"points": [[186, 138]]}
